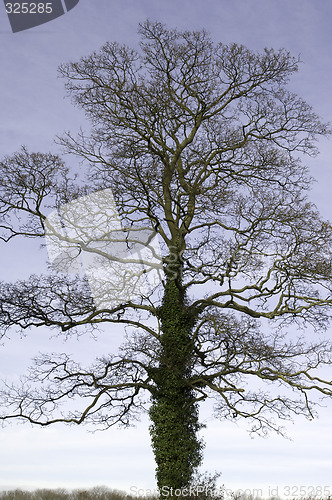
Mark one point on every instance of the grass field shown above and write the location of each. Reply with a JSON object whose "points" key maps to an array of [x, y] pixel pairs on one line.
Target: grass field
{"points": [[101, 493], [98, 493]]}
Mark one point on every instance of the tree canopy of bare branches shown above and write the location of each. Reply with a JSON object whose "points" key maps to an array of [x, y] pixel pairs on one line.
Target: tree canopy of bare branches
{"points": [[198, 149]]}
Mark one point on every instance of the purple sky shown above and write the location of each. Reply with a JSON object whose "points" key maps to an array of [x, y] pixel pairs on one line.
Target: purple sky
{"points": [[33, 110]]}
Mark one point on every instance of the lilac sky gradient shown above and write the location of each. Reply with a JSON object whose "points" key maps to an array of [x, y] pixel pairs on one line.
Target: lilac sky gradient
{"points": [[33, 110]]}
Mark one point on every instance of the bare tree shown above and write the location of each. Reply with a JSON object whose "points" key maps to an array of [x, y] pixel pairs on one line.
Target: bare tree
{"points": [[198, 147]]}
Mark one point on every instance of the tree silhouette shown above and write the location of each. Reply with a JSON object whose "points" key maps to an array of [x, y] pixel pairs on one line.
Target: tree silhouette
{"points": [[189, 224]]}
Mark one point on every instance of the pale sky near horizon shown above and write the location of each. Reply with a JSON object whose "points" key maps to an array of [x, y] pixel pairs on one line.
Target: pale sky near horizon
{"points": [[33, 110]]}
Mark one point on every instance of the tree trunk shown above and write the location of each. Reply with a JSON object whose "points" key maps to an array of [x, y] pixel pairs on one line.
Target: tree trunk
{"points": [[174, 413]]}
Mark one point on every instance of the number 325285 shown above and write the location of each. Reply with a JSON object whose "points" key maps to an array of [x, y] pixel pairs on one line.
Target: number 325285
{"points": [[29, 8]]}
